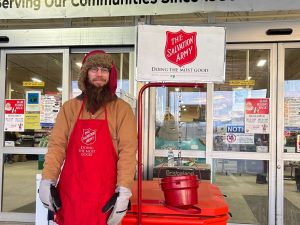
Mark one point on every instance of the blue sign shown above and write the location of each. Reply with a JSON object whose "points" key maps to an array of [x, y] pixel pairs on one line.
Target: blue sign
{"points": [[33, 98], [235, 129]]}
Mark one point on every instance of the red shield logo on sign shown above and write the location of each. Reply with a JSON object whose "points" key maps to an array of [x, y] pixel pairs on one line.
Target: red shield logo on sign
{"points": [[88, 136], [181, 47]]}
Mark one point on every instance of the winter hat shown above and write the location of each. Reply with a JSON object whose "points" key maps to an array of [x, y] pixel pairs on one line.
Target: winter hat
{"points": [[98, 58]]}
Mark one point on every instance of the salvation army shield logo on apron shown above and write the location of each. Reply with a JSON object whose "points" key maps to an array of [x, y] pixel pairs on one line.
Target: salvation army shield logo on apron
{"points": [[88, 136], [181, 47]]}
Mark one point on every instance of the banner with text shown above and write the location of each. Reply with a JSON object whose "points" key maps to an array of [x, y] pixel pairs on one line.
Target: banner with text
{"points": [[14, 115], [257, 115], [35, 9], [181, 54]]}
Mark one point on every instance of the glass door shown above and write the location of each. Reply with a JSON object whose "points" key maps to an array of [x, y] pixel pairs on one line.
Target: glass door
{"points": [[250, 133], [244, 133], [179, 130], [288, 145], [32, 83]]}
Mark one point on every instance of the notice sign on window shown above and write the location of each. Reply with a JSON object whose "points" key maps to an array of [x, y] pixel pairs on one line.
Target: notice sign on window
{"points": [[181, 54], [239, 139], [33, 99], [50, 106], [298, 143], [14, 115], [257, 115]]}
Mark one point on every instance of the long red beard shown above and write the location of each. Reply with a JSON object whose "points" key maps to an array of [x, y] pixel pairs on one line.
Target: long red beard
{"points": [[97, 96]]}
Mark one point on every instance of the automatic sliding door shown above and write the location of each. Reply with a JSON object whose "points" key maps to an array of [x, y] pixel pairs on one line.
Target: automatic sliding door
{"points": [[32, 90], [289, 135], [243, 122]]}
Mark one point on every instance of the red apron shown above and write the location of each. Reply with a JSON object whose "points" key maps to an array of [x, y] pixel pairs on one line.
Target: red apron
{"points": [[89, 174]]}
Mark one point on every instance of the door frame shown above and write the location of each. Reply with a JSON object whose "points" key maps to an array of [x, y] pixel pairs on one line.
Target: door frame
{"points": [[281, 156], [271, 155], [13, 216]]}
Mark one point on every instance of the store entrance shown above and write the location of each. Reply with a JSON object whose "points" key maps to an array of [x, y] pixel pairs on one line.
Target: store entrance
{"points": [[288, 148], [34, 84], [244, 131], [31, 84]]}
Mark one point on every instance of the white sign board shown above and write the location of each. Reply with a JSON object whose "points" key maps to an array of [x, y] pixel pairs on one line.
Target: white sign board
{"points": [[292, 111], [50, 106], [181, 54], [35, 9], [239, 139]]}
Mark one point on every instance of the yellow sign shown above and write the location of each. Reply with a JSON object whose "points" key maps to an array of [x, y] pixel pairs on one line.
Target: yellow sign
{"points": [[242, 82], [33, 84], [32, 121]]}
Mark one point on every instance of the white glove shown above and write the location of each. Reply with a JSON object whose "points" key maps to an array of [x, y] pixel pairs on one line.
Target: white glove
{"points": [[120, 208], [45, 194]]}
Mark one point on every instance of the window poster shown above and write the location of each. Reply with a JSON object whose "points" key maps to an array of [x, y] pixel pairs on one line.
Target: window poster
{"points": [[298, 143], [238, 98], [257, 115], [239, 138], [292, 111], [14, 115], [32, 121], [50, 105], [235, 134], [33, 100]]}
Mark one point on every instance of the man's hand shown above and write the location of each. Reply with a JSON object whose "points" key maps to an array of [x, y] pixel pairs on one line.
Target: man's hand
{"points": [[46, 195], [120, 207]]}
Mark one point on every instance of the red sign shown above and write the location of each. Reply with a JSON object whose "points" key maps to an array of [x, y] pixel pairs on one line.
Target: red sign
{"points": [[181, 47], [88, 136], [231, 138], [14, 106], [257, 106], [287, 133]]}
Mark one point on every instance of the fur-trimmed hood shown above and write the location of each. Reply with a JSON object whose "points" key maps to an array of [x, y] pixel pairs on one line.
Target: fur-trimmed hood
{"points": [[95, 59]]}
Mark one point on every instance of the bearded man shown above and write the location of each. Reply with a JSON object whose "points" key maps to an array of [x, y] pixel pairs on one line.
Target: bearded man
{"points": [[91, 156]]}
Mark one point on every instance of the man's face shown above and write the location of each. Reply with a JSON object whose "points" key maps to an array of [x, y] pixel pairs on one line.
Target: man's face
{"points": [[98, 76]]}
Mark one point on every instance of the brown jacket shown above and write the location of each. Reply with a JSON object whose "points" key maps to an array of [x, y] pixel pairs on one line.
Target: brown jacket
{"points": [[122, 126]]}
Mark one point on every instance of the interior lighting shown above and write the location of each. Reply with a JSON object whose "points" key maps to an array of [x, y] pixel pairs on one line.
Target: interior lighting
{"points": [[12, 90], [249, 78], [36, 79], [59, 89], [261, 63], [177, 89], [79, 64]]}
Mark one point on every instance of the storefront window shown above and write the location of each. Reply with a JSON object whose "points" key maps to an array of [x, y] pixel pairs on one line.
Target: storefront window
{"points": [[291, 102], [291, 192], [19, 184], [241, 106], [291, 136], [32, 98], [245, 183], [180, 121], [33, 91]]}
